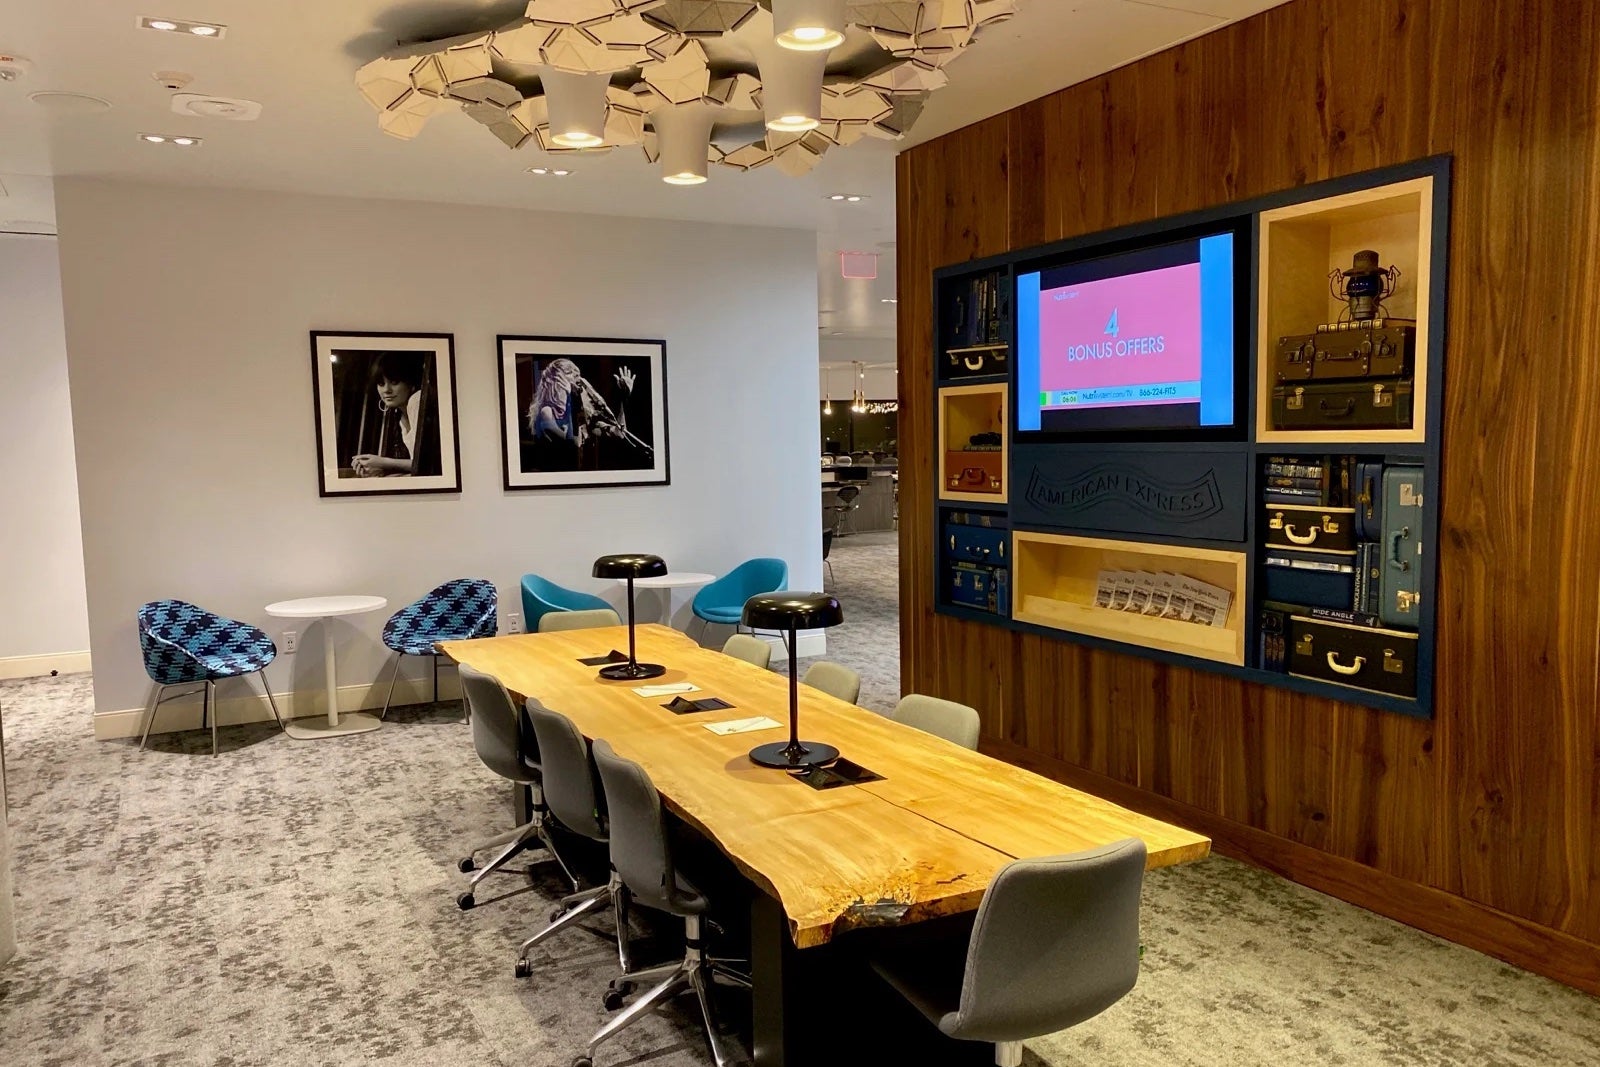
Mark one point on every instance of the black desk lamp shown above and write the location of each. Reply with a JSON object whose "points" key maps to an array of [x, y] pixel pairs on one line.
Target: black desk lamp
{"points": [[793, 612], [630, 566]]}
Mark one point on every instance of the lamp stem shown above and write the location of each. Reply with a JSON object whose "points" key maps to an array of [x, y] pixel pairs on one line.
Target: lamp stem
{"points": [[794, 692], [632, 658]]}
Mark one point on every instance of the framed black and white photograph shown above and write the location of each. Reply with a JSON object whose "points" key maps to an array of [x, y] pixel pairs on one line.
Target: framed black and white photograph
{"points": [[579, 412], [385, 412]]}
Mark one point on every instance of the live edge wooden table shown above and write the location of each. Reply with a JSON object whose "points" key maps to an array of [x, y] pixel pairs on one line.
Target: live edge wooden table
{"points": [[921, 844]]}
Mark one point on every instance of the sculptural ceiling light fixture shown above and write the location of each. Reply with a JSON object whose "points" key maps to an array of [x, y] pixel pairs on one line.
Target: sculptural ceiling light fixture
{"points": [[692, 82]]}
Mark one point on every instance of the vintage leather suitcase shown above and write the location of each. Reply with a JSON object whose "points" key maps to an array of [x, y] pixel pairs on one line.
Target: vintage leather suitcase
{"points": [[1367, 352], [1384, 661], [1368, 405], [974, 471], [1401, 584], [1310, 579], [976, 362], [1310, 529], [1369, 501]]}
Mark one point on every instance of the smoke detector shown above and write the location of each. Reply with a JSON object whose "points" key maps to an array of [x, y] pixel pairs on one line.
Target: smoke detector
{"points": [[173, 79], [13, 68], [216, 107]]}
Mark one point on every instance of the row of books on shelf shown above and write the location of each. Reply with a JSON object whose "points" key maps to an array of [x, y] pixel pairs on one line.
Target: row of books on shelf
{"points": [[977, 313]]}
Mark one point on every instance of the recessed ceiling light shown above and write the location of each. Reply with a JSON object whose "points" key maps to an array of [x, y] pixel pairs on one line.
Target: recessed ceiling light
{"points": [[890, 300], [181, 140], [561, 173], [211, 30], [848, 198], [66, 103], [552, 172]]}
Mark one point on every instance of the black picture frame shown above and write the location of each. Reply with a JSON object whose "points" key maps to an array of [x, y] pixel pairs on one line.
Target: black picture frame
{"points": [[613, 436], [357, 453]]}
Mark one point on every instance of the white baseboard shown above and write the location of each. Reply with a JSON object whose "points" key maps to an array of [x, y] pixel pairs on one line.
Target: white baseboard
{"points": [[241, 701], [34, 666]]}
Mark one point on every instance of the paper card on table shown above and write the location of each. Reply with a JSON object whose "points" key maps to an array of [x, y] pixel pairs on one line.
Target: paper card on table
{"points": [[600, 661], [742, 726], [666, 690]]}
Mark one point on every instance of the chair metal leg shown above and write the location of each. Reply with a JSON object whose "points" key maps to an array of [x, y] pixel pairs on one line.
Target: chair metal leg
{"points": [[1008, 1054], [669, 988], [550, 847], [394, 676], [700, 982], [273, 704], [575, 907], [150, 720], [211, 699], [620, 900], [525, 838]]}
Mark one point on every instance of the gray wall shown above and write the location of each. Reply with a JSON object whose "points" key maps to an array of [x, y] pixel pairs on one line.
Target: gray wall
{"points": [[42, 610], [187, 313]]}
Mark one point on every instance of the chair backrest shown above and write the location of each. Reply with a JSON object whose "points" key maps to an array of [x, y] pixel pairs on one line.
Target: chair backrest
{"points": [[555, 621], [1055, 942], [834, 679], [457, 610], [843, 461], [942, 718], [567, 772], [750, 649], [848, 494], [640, 849], [750, 578], [496, 732], [540, 595]]}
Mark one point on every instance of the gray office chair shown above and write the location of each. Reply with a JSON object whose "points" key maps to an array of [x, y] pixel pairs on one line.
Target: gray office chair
{"points": [[750, 649], [574, 798], [942, 718], [556, 621], [835, 680], [642, 853], [507, 748], [1056, 942]]}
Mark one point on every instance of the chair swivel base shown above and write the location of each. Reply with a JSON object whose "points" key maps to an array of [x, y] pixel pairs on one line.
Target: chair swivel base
{"points": [[780, 754], [632, 672]]}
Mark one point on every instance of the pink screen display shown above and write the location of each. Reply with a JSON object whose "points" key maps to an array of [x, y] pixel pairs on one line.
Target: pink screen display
{"points": [[1132, 339]]}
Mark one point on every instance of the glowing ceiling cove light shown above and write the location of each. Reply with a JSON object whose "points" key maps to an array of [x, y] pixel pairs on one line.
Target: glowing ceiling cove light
{"points": [[808, 25]]}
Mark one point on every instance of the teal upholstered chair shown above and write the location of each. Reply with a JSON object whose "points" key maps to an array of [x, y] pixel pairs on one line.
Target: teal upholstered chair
{"points": [[722, 602], [541, 596]]}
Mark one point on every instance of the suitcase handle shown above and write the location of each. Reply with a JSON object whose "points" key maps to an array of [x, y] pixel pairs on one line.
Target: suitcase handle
{"points": [[1299, 539], [1347, 408], [973, 362], [1338, 668], [1394, 549]]}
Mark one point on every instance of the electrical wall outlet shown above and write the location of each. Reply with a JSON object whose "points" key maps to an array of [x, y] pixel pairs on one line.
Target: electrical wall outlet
{"points": [[513, 623], [291, 642]]}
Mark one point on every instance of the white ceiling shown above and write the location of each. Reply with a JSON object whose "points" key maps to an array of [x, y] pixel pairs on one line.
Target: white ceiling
{"points": [[316, 135]]}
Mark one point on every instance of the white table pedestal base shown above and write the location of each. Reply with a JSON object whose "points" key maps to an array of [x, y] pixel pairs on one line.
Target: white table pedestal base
{"points": [[351, 722], [325, 610]]}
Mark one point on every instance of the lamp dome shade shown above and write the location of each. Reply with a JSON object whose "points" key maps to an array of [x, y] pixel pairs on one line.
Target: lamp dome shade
{"points": [[630, 565], [787, 610]]}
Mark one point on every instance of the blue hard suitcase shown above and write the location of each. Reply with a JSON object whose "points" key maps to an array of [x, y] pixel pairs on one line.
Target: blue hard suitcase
{"points": [[1400, 587]]}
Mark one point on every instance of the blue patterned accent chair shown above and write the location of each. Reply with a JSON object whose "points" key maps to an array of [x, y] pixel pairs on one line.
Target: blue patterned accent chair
{"points": [[187, 645], [458, 610]]}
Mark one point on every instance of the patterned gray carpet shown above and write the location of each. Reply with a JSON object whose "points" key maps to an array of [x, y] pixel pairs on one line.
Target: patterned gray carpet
{"points": [[291, 904]]}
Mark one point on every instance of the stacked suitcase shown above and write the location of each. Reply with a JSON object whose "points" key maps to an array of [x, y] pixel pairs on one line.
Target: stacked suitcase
{"points": [[1346, 376], [976, 562], [1342, 574]]}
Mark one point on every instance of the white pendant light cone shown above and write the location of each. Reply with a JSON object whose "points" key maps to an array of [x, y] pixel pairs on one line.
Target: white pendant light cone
{"points": [[577, 107], [791, 86], [683, 136], [808, 25]]}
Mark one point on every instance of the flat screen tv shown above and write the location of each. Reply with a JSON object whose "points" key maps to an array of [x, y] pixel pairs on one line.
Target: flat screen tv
{"points": [[1140, 339]]}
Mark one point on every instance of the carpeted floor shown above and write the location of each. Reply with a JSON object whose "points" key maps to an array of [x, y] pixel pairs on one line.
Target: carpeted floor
{"points": [[292, 904]]}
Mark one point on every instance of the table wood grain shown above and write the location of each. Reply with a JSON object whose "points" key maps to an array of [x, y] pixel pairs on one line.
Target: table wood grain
{"points": [[923, 842]]}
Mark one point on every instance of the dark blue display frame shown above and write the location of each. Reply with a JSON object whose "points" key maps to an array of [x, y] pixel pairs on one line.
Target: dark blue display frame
{"points": [[1248, 451]]}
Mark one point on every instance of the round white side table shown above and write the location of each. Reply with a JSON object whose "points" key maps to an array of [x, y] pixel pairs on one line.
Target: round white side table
{"points": [[666, 583], [325, 609]]}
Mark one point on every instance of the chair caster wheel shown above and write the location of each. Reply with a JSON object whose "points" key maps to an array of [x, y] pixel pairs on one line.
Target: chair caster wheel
{"points": [[583, 1061], [466, 902], [467, 866], [524, 969], [613, 999], [557, 913]]}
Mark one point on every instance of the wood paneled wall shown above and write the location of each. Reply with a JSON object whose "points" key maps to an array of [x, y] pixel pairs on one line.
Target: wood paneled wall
{"points": [[1484, 824]]}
